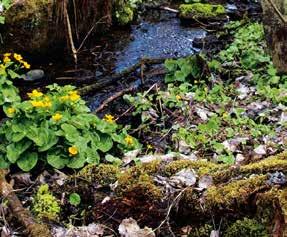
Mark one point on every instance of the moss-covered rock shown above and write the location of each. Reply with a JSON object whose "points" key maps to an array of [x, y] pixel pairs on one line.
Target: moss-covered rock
{"points": [[201, 11]]}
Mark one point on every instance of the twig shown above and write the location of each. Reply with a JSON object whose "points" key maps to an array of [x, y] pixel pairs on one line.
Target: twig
{"points": [[89, 32], [169, 209], [114, 97], [283, 19], [69, 32]]}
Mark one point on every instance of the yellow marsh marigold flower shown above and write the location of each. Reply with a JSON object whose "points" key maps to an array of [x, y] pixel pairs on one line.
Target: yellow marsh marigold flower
{"points": [[11, 111], [57, 117], [35, 94], [6, 60], [129, 140], [18, 57], [109, 118], [64, 98], [7, 55], [47, 104], [74, 96], [26, 65], [38, 104], [178, 97], [73, 150]]}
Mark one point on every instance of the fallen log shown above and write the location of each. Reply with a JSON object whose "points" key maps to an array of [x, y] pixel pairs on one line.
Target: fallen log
{"points": [[17, 210]]}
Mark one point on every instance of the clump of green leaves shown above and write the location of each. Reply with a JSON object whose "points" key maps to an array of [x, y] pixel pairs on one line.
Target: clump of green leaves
{"points": [[4, 5], [183, 70], [45, 205], [246, 227], [57, 128]]}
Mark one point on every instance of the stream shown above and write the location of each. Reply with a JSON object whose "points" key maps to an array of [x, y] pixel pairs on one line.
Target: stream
{"points": [[158, 35]]}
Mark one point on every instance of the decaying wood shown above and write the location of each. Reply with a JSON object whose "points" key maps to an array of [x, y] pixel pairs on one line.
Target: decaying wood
{"points": [[17, 210], [275, 25]]}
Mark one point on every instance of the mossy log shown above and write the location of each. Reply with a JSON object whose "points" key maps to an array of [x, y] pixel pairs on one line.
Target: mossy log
{"points": [[236, 193], [42, 22], [275, 25], [17, 210]]}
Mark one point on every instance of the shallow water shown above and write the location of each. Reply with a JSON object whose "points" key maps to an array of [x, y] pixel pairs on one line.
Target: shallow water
{"points": [[157, 39], [158, 35]]}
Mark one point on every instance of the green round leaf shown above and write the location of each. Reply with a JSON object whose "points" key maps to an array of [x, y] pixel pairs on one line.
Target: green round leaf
{"points": [[75, 199], [27, 161]]}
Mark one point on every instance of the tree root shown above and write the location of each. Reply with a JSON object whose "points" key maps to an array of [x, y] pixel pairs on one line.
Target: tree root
{"points": [[24, 216]]}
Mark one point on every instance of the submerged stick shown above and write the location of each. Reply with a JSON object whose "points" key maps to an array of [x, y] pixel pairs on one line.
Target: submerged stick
{"points": [[110, 79], [24, 216]]}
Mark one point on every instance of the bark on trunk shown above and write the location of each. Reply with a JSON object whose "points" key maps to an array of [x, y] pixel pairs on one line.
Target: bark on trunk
{"points": [[275, 25]]}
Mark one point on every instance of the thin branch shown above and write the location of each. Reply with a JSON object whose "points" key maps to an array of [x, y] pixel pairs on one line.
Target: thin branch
{"points": [[282, 18]]}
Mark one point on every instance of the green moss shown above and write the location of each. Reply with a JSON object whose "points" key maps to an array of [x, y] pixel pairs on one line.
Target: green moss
{"points": [[201, 167], [247, 228], [32, 11], [103, 174], [273, 163], [235, 192], [45, 205], [201, 10], [139, 179]]}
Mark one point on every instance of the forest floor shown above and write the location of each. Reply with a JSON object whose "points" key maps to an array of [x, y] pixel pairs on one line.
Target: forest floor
{"points": [[212, 126]]}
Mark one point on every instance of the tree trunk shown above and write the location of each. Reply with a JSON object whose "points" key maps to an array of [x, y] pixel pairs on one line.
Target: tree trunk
{"points": [[275, 26]]}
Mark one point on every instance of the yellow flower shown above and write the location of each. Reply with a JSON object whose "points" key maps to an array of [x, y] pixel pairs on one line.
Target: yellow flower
{"points": [[195, 81], [7, 55], [38, 104], [74, 96], [6, 60], [64, 98], [2, 66], [178, 97], [57, 117], [129, 140], [26, 65], [35, 94], [18, 57], [109, 118], [47, 104], [73, 150], [11, 111], [149, 147]]}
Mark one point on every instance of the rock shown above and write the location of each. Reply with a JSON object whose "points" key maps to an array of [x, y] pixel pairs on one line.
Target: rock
{"points": [[239, 159], [34, 75], [260, 150], [183, 147], [205, 182], [277, 178], [130, 228], [183, 178]]}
